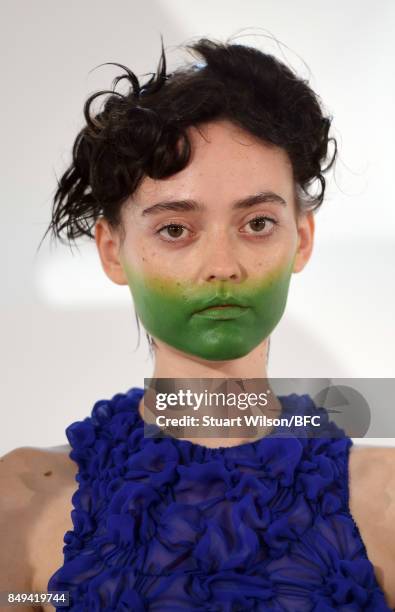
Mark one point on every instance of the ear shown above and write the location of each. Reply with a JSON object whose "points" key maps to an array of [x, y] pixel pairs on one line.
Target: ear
{"points": [[305, 228], [108, 245]]}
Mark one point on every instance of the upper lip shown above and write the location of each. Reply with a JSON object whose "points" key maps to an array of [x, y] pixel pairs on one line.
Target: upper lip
{"points": [[218, 301]]}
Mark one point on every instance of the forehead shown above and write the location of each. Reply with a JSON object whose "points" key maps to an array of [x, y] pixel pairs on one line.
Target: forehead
{"points": [[226, 163]]}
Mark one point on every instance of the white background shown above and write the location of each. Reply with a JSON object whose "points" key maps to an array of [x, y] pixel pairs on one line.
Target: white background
{"points": [[67, 333]]}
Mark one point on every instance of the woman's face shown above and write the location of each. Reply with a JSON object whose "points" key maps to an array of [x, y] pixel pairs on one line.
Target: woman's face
{"points": [[222, 232]]}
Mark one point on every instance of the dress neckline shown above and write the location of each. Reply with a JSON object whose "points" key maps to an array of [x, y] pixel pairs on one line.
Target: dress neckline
{"points": [[285, 400]]}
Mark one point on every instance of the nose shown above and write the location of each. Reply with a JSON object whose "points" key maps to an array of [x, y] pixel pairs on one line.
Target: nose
{"points": [[221, 262]]}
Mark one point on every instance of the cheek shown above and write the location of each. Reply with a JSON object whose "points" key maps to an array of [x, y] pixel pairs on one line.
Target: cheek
{"points": [[140, 257], [277, 256], [148, 258]]}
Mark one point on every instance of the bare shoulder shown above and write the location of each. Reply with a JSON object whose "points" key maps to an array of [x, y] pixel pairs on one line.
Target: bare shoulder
{"points": [[29, 475], [31, 468], [372, 505], [366, 455], [36, 486], [372, 473]]}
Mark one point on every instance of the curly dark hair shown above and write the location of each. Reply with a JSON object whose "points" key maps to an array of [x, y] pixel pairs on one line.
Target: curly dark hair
{"points": [[144, 132]]}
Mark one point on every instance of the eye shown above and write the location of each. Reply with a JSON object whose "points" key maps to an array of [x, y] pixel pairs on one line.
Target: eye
{"points": [[261, 225], [174, 231]]}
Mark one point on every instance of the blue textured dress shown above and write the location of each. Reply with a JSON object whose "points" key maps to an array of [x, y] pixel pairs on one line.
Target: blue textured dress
{"points": [[164, 524]]}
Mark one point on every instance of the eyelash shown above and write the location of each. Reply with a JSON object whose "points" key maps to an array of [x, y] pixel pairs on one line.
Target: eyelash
{"points": [[258, 217]]}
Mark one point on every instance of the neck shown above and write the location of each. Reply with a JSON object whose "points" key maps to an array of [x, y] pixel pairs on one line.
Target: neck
{"points": [[171, 363]]}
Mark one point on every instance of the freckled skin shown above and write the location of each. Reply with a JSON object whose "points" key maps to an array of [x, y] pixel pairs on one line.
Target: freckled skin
{"points": [[168, 308]]}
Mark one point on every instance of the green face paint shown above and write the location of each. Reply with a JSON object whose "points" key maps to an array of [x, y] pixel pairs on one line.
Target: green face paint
{"points": [[173, 311]]}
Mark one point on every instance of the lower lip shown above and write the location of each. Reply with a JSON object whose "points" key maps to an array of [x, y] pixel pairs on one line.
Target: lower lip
{"points": [[222, 313]]}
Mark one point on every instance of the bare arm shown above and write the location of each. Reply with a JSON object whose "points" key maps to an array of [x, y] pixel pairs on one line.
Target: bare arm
{"points": [[372, 504], [36, 487], [16, 517]]}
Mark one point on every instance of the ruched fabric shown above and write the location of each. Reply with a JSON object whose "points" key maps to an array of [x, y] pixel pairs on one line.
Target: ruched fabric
{"points": [[164, 524]]}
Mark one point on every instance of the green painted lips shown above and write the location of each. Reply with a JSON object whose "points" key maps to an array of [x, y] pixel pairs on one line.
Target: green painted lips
{"points": [[190, 318], [222, 313]]}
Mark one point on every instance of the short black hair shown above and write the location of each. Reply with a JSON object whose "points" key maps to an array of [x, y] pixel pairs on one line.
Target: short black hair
{"points": [[143, 132]]}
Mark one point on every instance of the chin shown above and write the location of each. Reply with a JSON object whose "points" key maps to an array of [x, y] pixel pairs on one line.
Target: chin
{"points": [[220, 353]]}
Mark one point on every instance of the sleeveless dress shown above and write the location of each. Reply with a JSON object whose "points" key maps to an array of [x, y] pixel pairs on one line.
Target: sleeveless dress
{"points": [[164, 524]]}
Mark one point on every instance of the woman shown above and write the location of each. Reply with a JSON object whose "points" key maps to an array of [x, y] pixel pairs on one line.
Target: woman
{"points": [[198, 187]]}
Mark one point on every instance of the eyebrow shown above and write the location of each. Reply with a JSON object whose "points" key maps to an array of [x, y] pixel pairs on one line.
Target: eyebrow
{"points": [[192, 205]]}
